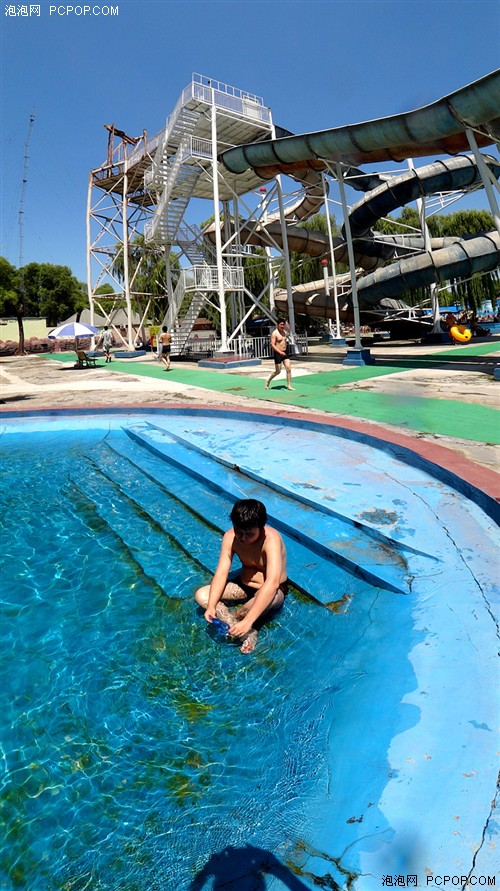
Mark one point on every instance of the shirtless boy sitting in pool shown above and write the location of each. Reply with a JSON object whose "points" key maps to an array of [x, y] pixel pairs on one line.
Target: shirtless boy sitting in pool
{"points": [[262, 583]]}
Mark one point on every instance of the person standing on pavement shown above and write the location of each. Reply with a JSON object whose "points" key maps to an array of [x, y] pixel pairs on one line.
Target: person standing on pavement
{"points": [[279, 349], [165, 340]]}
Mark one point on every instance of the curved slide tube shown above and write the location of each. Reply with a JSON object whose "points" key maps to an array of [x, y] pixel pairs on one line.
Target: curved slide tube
{"points": [[438, 128], [441, 176], [449, 174], [462, 259]]}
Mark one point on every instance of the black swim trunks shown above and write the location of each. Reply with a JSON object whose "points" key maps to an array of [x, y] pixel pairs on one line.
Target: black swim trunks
{"points": [[278, 358], [165, 350]]}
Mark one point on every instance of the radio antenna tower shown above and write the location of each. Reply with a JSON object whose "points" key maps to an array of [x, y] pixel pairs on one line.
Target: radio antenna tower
{"points": [[22, 290], [23, 189]]}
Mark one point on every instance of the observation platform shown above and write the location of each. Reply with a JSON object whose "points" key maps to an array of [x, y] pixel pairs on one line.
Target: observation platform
{"points": [[241, 117]]}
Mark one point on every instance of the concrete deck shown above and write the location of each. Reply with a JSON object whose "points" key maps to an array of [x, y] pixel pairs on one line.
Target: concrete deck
{"points": [[440, 401], [425, 757]]}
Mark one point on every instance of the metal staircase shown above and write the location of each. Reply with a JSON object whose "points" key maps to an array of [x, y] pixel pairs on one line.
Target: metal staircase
{"points": [[187, 303], [181, 179], [181, 337], [181, 123], [190, 295], [195, 247], [171, 177]]}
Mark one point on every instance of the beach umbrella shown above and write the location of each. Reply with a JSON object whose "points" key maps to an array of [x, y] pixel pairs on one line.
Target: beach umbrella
{"points": [[73, 329]]}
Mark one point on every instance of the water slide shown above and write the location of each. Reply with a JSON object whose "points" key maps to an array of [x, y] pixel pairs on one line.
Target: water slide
{"points": [[384, 196], [437, 128]]}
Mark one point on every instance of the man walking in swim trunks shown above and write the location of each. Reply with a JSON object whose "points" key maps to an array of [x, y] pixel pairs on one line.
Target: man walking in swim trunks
{"points": [[280, 355], [165, 340], [106, 339], [262, 584]]}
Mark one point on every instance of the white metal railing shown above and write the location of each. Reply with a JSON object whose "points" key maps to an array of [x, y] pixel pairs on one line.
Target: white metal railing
{"points": [[260, 347], [211, 92], [150, 147], [201, 148], [250, 347], [182, 123], [214, 92], [221, 87], [206, 278]]}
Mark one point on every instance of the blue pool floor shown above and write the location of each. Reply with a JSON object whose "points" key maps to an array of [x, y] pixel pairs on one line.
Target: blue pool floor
{"points": [[140, 752]]}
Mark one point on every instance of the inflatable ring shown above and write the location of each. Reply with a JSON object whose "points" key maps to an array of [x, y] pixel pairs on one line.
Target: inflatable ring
{"points": [[461, 333]]}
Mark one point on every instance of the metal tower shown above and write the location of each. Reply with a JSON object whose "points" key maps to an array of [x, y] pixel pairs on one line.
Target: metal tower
{"points": [[145, 187]]}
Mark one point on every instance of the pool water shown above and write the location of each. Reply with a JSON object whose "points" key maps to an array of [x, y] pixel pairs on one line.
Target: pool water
{"points": [[137, 744]]}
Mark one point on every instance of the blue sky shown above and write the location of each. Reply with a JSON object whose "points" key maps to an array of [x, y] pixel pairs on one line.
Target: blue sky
{"points": [[316, 64]]}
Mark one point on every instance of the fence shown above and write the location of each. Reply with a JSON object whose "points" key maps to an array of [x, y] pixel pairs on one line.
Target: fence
{"points": [[250, 347]]}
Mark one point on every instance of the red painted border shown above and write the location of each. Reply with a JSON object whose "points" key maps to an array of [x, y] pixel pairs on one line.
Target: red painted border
{"points": [[488, 481]]}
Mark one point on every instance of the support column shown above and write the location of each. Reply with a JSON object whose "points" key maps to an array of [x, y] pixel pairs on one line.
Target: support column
{"points": [[218, 237], [485, 176], [358, 355], [126, 281], [267, 250], [169, 317], [286, 254], [336, 340], [436, 316], [89, 258], [233, 310]]}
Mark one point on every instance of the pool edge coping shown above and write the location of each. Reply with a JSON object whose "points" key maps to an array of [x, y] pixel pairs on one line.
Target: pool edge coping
{"points": [[473, 480]]}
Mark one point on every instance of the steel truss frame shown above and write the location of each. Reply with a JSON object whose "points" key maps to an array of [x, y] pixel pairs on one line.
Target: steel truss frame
{"points": [[116, 214], [124, 208]]}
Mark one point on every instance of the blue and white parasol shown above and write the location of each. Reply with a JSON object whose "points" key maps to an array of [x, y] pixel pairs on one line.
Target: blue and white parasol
{"points": [[73, 329]]}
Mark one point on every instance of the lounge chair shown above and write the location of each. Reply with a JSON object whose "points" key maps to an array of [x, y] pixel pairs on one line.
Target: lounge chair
{"points": [[84, 360]]}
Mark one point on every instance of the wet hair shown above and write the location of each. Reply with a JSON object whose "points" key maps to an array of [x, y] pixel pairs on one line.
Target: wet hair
{"points": [[248, 514], [164, 328]]}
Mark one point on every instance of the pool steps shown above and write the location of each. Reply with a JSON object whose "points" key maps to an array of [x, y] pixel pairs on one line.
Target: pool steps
{"points": [[296, 492], [152, 486], [158, 513], [323, 545], [356, 548]]}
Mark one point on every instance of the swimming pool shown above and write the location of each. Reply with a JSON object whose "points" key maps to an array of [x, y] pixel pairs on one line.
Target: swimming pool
{"points": [[142, 753]]}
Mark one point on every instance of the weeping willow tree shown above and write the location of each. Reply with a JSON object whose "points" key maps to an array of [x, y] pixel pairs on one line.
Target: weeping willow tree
{"points": [[462, 224]]}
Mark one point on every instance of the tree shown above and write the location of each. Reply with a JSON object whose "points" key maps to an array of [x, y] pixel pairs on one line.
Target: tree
{"points": [[51, 291], [9, 285], [466, 222], [39, 289], [12, 293], [147, 274], [104, 289]]}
